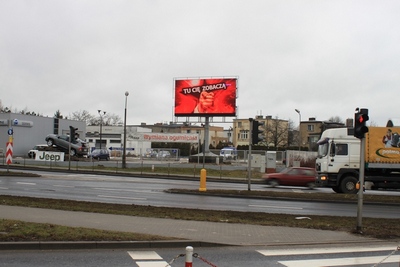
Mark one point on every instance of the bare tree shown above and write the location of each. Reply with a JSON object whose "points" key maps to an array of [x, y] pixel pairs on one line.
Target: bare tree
{"points": [[58, 115], [82, 115], [277, 132], [335, 119], [112, 119], [108, 118]]}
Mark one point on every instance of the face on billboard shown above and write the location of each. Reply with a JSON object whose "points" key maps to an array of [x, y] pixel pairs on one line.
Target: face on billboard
{"points": [[205, 97]]}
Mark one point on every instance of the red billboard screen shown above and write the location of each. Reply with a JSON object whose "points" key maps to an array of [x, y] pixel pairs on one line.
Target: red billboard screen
{"points": [[205, 97]]}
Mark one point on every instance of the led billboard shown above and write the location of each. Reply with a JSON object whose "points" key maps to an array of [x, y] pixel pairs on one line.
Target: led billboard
{"points": [[205, 97]]}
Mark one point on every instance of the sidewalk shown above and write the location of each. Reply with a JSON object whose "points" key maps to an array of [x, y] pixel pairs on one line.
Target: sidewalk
{"points": [[199, 233]]}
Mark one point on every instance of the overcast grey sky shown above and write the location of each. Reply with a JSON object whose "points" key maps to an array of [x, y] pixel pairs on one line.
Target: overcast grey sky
{"points": [[324, 58]]}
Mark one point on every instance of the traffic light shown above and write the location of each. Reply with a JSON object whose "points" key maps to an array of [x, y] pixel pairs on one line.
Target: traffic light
{"points": [[360, 120], [72, 133], [257, 133]]}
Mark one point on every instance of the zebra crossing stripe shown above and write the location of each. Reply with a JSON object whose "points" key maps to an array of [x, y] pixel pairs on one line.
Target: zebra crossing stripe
{"points": [[309, 251], [339, 261], [144, 255], [147, 259], [152, 263]]}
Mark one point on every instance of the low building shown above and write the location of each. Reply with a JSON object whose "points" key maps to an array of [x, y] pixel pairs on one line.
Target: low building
{"points": [[30, 130], [112, 138]]}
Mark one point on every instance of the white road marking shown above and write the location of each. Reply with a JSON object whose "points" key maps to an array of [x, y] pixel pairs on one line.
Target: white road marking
{"points": [[144, 255], [127, 190], [276, 207], [4, 188], [132, 198], [152, 264], [340, 261], [281, 252], [26, 183], [148, 259]]}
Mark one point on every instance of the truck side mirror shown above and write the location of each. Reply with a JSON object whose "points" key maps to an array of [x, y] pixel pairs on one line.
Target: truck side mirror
{"points": [[332, 149]]}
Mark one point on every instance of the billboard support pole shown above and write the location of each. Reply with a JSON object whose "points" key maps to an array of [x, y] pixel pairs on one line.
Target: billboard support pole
{"points": [[207, 135], [249, 157]]}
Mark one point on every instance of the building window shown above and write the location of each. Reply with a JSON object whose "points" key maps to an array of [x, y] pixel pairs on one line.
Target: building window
{"points": [[240, 124], [188, 131], [310, 127], [243, 135]]}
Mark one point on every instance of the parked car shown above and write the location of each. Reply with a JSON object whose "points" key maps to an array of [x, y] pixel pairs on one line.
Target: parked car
{"points": [[163, 154], [35, 149], [78, 147], [228, 153], [292, 176], [100, 154]]}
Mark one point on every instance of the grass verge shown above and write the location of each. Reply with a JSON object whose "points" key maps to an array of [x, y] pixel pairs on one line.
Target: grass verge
{"points": [[16, 231], [372, 227]]}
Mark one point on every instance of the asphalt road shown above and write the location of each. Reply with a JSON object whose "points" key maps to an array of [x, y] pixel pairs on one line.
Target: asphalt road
{"points": [[150, 191], [305, 256]]}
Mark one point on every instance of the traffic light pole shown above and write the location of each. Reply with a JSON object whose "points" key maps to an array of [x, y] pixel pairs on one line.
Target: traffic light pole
{"points": [[361, 183], [360, 129]]}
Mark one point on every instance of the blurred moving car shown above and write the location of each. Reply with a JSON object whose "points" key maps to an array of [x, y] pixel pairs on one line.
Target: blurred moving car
{"points": [[292, 176], [35, 149], [78, 147], [100, 154]]}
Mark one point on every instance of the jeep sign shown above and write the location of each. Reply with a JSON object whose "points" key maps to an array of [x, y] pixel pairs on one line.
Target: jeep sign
{"points": [[49, 156]]}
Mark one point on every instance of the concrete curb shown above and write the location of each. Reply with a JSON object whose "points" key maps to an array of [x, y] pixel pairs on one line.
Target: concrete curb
{"points": [[60, 245]]}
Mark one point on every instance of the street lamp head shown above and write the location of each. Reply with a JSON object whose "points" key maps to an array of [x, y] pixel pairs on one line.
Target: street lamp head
{"points": [[298, 111], [98, 111], [126, 93]]}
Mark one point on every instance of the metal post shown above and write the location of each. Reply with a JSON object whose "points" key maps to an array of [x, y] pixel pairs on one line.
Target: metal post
{"points": [[249, 156], [298, 111], [361, 189], [101, 124], [189, 256], [124, 149]]}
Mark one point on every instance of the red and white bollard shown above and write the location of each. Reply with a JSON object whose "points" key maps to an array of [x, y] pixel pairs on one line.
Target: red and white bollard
{"points": [[189, 256]]}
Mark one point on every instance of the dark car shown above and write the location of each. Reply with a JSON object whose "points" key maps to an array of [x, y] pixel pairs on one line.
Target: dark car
{"points": [[78, 147], [292, 176], [100, 154]]}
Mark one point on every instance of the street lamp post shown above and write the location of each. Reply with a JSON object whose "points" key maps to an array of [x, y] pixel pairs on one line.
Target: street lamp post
{"points": [[298, 111], [124, 150], [101, 124]]}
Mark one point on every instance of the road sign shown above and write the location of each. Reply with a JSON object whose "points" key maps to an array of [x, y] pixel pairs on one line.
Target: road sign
{"points": [[111, 148], [9, 152], [10, 131]]}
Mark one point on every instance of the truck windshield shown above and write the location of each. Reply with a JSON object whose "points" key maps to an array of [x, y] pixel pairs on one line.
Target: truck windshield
{"points": [[323, 146]]}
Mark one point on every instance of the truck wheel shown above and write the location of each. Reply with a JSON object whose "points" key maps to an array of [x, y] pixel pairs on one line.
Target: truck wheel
{"points": [[50, 142], [348, 185], [336, 189]]}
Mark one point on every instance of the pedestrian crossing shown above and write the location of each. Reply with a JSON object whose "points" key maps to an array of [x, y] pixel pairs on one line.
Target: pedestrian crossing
{"points": [[376, 256], [147, 259], [328, 256]]}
